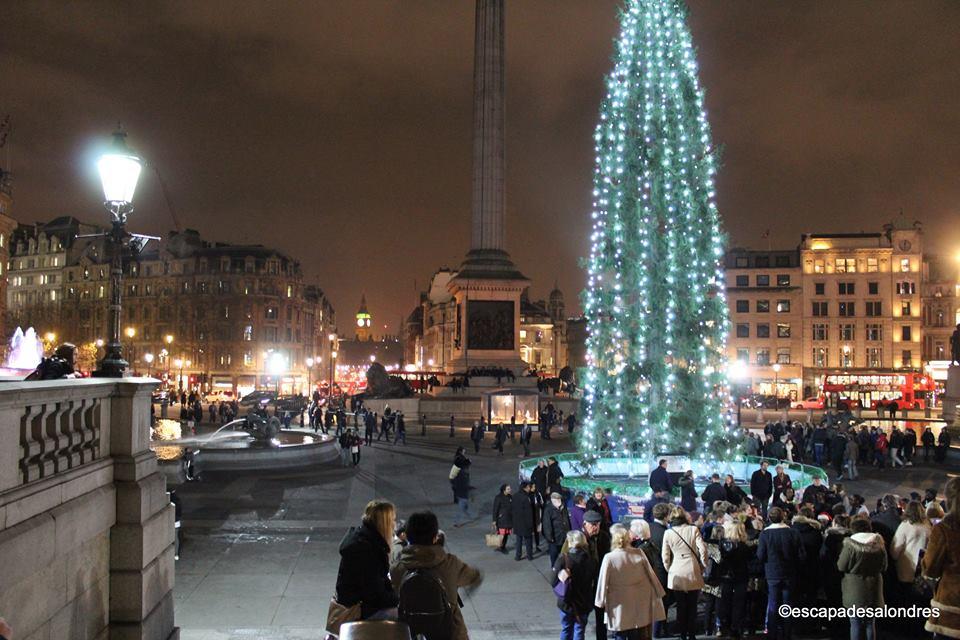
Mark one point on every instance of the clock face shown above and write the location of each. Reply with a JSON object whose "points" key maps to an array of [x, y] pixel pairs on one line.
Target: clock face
{"points": [[905, 245], [368, 322], [359, 322]]}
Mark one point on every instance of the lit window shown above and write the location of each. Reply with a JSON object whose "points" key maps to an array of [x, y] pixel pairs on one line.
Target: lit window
{"points": [[783, 330], [872, 265], [905, 265], [820, 332], [783, 306], [845, 265], [819, 266]]}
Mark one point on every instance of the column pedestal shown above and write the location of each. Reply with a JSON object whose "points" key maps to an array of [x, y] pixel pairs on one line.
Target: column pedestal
{"points": [[951, 396]]}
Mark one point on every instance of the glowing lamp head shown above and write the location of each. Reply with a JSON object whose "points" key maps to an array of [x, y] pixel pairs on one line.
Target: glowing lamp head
{"points": [[276, 363], [148, 358], [119, 171], [130, 331], [738, 370], [50, 336], [168, 338], [99, 342], [333, 354], [309, 363], [372, 358], [178, 363], [777, 367]]}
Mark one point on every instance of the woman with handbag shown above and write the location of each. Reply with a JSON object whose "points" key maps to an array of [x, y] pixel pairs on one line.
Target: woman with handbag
{"points": [[628, 590], [684, 556], [942, 561], [909, 540], [364, 591], [572, 581], [503, 516]]}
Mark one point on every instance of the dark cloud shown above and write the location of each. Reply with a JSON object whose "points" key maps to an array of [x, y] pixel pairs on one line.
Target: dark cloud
{"points": [[340, 131]]}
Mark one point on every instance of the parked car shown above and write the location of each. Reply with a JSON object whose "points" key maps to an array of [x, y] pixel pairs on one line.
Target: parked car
{"points": [[817, 402], [219, 395]]}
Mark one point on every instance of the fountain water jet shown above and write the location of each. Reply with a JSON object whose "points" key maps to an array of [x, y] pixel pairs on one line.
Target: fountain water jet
{"points": [[24, 354]]}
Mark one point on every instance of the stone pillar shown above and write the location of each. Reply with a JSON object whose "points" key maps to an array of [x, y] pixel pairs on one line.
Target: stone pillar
{"points": [[142, 540], [488, 127], [951, 396]]}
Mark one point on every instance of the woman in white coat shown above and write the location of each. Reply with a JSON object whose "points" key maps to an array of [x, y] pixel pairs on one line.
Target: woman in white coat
{"points": [[628, 589], [908, 540], [684, 556]]}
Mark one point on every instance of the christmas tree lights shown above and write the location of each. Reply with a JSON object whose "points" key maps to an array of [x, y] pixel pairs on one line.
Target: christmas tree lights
{"points": [[655, 300]]}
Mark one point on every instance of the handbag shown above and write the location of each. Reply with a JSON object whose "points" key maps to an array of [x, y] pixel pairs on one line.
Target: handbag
{"points": [[454, 471], [492, 539], [560, 589], [923, 587], [337, 615]]}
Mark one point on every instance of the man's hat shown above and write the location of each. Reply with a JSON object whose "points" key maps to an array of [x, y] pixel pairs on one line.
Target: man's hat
{"points": [[592, 517]]}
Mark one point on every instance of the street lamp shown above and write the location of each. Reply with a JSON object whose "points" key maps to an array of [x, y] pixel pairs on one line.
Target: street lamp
{"points": [[276, 365], [738, 372], [332, 337], [148, 358], [310, 362], [776, 379], [119, 171]]}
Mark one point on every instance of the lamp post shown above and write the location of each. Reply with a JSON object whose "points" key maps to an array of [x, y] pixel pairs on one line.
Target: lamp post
{"points": [[276, 365], [332, 337], [119, 171], [738, 372], [776, 379], [309, 364], [131, 333], [148, 358]]}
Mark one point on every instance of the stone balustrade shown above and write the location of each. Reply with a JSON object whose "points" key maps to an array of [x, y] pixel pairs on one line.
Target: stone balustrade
{"points": [[86, 524]]}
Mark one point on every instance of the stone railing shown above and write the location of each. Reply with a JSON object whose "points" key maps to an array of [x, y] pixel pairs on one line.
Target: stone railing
{"points": [[86, 525]]}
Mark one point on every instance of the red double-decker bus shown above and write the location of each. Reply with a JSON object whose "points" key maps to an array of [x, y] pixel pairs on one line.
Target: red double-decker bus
{"points": [[906, 390]]}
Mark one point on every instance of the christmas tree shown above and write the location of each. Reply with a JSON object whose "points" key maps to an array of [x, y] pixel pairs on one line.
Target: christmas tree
{"points": [[655, 302]]}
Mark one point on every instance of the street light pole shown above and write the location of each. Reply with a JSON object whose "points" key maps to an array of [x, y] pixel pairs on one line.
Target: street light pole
{"points": [[119, 171]]}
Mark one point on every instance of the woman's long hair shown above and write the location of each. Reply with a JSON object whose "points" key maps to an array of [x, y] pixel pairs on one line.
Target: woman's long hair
{"points": [[382, 516]]}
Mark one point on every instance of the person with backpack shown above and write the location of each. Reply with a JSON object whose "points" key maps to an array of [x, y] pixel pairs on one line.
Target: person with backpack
{"points": [[427, 579], [576, 569]]}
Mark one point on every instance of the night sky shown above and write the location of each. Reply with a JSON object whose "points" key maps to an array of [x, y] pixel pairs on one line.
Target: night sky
{"points": [[340, 131]]}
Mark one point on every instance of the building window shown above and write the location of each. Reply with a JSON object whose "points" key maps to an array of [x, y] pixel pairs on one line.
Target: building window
{"points": [[743, 330], [820, 356], [763, 261], [820, 309], [743, 355], [846, 357], [743, 281], [874, 357], [905, 265], [906, 333], [270, 334], [742, 262], [782, 261], [289, 290], [763, 280], [846, 288], [905, 308], [783, 355], [783, 330], [818, 288], [872, 265], [847, 309], [873, 288], [783, 306], [225, 312], [845, 265], [783, 280], [270, 313], [847, 332], [225, 359], [763, 357], [874, 332], [743, 306], [906, 288], [820, 332], [248, 333], [763, 331], [248, 359], [940, 351], [819, 266], [874, 308], [907, 358], [763, 306]]}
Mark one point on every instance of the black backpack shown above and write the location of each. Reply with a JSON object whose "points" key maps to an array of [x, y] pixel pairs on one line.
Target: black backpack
{"points": [[424, 605]]}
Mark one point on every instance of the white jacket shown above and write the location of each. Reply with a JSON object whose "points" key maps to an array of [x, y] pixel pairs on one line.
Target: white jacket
{"points": [[629, 591], [908, 540], [684, 573]]}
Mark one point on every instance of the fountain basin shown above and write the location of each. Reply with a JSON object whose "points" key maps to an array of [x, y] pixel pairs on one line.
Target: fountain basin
{"points": [[628, 478]]}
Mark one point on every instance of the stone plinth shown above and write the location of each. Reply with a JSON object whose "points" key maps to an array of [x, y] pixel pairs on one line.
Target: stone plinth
{"points": [[951, 396], [86, 524]]}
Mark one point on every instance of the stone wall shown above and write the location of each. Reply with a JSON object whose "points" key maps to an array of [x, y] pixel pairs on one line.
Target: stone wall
{"points": [[86, 525]]}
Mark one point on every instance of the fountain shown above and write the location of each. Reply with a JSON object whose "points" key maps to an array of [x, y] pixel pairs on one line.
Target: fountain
{"points": [[24, 354], [252, 443]]}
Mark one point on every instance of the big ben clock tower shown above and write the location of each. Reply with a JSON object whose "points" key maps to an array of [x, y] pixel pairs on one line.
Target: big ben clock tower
{"points": [[363, 320]]}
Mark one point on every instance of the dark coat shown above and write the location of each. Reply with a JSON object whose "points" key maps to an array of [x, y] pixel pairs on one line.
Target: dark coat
{"points": [[781, 484], [815, 495], [556, 523], [363, 574], [660, 480], [461, 485], [781, 552], [688, 494], [582, 568], [734, 561], [656, 541], [761, 485], [539, 478], [735, 494], [711, 494], [553, 477], [523, 521], [503, 511], [830, 576], [811, 537]]}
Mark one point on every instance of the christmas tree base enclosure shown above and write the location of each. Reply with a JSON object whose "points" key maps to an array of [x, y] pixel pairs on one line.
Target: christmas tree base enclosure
{"points": [[627, 478]]}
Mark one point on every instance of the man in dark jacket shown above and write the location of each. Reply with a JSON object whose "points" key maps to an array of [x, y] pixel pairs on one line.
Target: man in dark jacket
{"points": [[539, 477], [523, 521], [556, 523], [554, 476], [928, 440], [658, 527], [781, 552], [761, 487], [815, 494], [598, 544], [660, 480], [713, 492], [811, 537]]}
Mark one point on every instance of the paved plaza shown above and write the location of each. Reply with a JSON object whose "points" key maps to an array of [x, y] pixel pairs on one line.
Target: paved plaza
{"points": [[259, 553]]}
